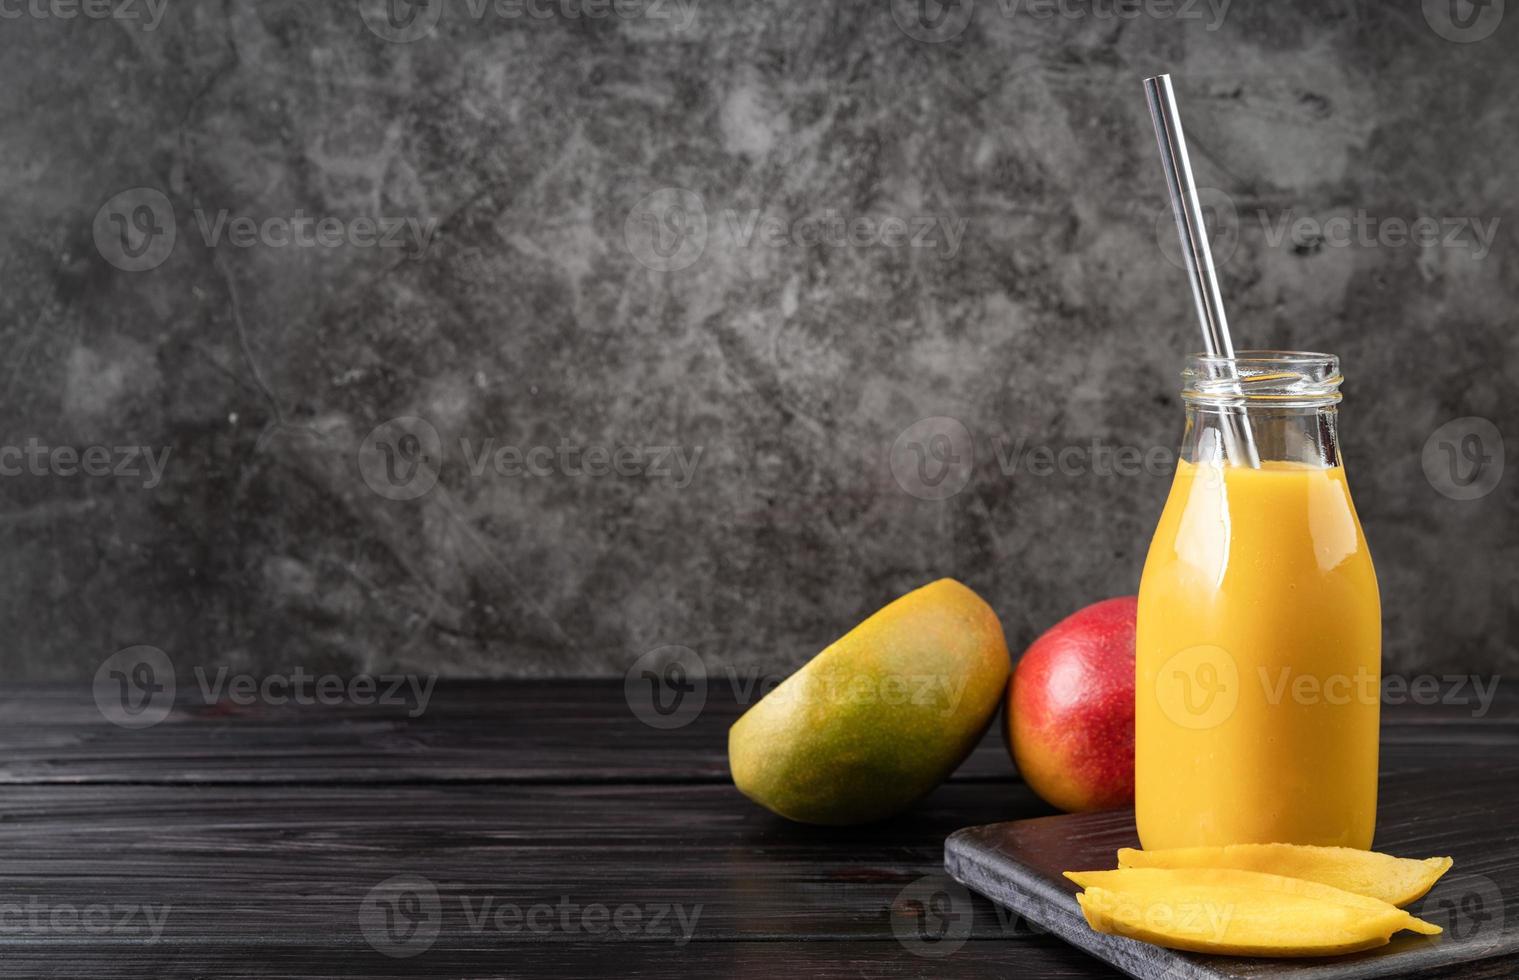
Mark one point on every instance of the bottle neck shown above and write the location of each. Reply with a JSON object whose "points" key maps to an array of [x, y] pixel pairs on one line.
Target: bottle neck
{"points": [[1280, 404], [1307, 436]]}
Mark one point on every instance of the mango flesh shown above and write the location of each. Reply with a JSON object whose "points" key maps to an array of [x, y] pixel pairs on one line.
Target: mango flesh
{"points": [[880, 717], [1240, 913], [1396, 881]]}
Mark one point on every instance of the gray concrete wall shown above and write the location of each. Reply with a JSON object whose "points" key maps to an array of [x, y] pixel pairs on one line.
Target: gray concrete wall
{"points": [[741, 249]]}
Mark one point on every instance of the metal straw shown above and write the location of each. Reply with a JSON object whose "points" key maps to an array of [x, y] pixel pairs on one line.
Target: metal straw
{"points": [[1239, 444]]}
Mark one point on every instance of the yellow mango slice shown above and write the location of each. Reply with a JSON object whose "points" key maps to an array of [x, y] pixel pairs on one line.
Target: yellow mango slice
{"points": [[1396, 881], [1243, 913]]}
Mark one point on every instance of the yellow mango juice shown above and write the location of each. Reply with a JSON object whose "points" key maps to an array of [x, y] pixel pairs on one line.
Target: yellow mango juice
{"points": [[1258, 658]]}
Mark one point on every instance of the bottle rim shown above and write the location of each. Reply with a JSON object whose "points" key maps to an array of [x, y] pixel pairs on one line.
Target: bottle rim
{"points": [[1263, 379]]}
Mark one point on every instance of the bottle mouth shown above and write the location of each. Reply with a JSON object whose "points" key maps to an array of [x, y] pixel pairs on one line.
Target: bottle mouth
{"points": [[1262, 378]]}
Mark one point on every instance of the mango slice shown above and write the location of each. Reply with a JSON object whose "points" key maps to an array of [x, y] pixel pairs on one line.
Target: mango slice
{"points": [[1241, 913], [1396, 881]]}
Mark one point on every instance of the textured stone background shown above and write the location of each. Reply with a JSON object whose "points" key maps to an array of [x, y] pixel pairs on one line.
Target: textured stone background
{"points": [[591, 282]]}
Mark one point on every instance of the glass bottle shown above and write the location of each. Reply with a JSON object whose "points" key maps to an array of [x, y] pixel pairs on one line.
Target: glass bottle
{"points": [[1258, 650]]}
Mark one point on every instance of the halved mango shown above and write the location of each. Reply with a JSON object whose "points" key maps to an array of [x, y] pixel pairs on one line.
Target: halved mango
{"points": [[1243, 913], [1396, 881]]}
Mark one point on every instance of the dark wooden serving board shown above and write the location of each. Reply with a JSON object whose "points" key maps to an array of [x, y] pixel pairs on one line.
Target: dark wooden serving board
{"points": [[1466, 813]]}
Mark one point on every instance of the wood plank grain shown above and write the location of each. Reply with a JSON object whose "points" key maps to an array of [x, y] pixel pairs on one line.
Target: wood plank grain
{"points": [[267, 863], [489, 731], [1034, 959], [482, 731], [263, 829], [247, 863]]}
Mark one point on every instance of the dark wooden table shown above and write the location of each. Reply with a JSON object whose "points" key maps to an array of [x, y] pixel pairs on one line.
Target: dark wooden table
{"points": [[537, 829]]}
